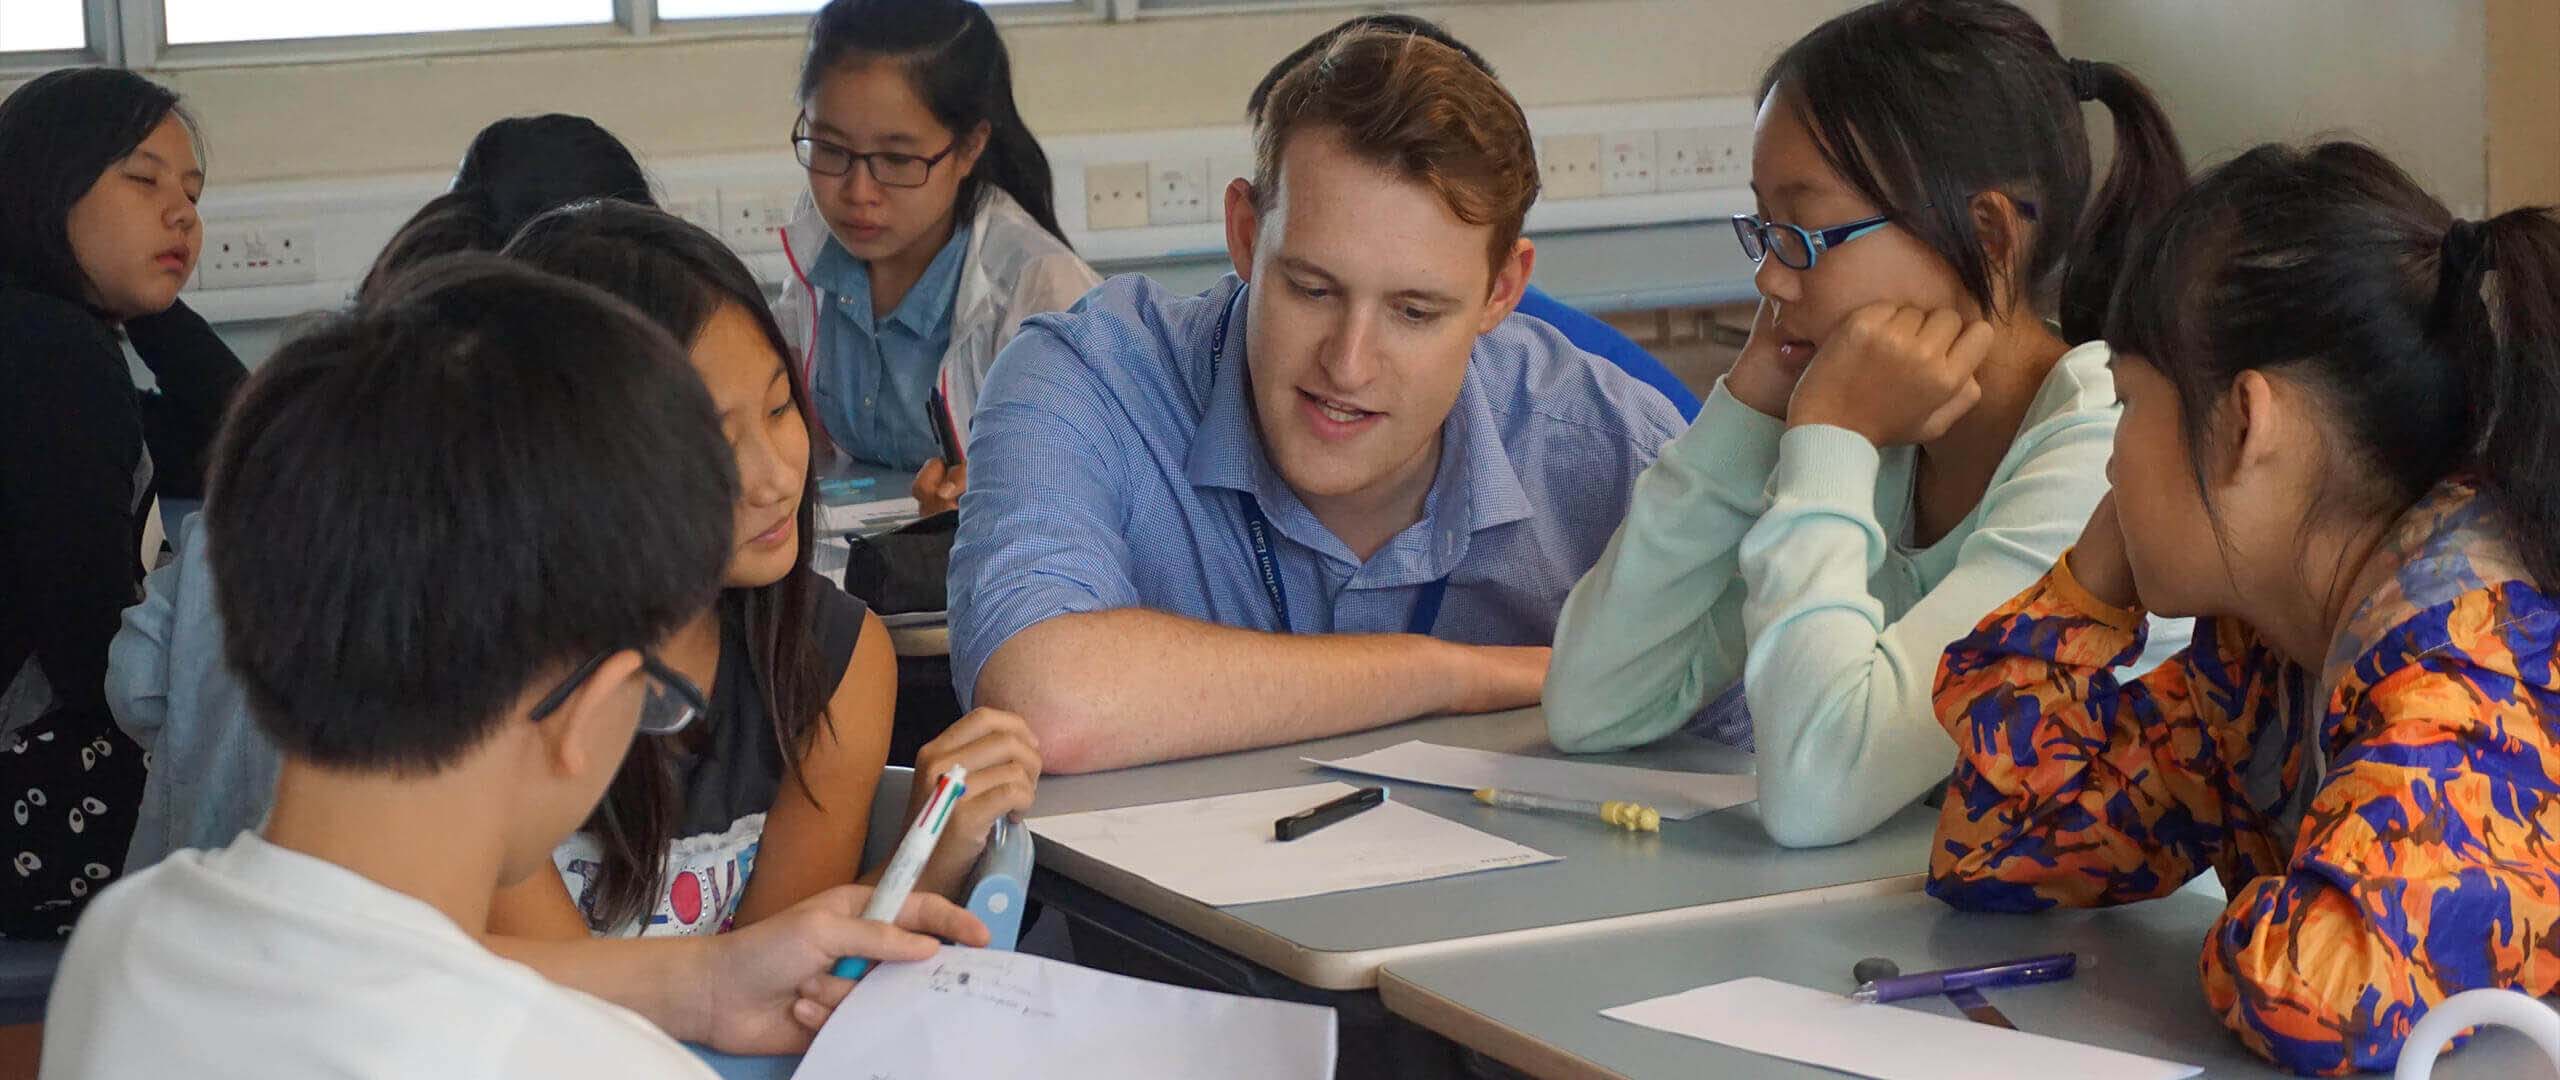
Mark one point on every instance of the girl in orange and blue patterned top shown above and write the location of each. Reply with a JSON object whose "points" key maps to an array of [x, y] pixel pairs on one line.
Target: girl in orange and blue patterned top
{"points": [[2340, 451]]}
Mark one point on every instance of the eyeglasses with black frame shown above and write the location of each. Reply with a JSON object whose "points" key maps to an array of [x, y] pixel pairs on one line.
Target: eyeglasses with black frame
{"points": [[670, 706], [891, 170]]}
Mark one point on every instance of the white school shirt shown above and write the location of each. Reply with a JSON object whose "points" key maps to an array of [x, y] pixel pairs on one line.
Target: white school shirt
{"points": [[254, 961]]}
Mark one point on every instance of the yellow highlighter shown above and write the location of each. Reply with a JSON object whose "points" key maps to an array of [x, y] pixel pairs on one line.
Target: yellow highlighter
{"points": [[1633, 817]]}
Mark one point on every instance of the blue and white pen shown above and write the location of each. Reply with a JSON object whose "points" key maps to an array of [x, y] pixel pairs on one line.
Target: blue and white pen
{"points": [[2006, 973], [888, 897]]}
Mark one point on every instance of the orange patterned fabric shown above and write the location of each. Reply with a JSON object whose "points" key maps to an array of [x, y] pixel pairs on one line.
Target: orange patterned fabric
{"points": [[2384, 850]]}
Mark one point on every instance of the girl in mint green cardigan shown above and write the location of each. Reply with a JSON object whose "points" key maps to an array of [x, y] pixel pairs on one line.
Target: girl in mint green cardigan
{"points": [[1906, 442]]}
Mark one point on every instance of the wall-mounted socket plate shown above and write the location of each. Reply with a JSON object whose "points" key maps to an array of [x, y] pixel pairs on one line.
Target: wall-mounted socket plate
{"points": [[1627, 163], [752, 221], [1115, 196], [1178, 192], [258, 253], [1569, 166]]}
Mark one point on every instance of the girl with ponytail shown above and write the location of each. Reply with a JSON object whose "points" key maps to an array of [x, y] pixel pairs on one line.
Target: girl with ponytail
{"points": [[1908, 439], [930, 232], [2340, 453]]}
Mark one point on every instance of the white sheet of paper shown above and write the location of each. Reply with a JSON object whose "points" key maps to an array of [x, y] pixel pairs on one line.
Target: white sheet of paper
{"points": [[970, 1014], [1219, 851], [1766, 1016], [865, 516], [1677, 795]]}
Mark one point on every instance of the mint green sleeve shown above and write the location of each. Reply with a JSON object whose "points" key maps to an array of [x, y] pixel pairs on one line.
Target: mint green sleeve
{"points": [[1640, 646], [1839, 689]]}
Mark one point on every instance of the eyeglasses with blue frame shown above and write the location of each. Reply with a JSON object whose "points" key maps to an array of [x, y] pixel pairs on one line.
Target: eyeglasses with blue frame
{"points": [[1800, 248], [671, 705]]}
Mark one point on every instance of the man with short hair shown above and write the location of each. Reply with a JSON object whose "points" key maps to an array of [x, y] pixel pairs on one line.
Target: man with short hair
{"points": [[1341, 489]]}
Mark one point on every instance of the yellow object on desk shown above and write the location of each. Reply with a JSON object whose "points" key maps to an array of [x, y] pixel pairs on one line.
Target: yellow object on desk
{"points": [[1633, 817]]}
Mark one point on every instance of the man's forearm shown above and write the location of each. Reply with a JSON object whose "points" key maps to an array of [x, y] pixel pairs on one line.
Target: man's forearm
{"points": [[1115, 688]]}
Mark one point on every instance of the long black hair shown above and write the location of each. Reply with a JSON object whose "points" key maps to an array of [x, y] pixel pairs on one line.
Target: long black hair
{"points": [[515, 170], [58, 134], [959, 67], [449, 223], [522, 167], [2434, 343], [1923, 104], [681, 276]]}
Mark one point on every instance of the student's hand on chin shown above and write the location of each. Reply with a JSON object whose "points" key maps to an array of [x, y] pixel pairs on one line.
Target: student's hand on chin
{"points": [[937, 488], [1896, 374], [1761, 377], [2098, 561], [768, 986], [1003, 759]]}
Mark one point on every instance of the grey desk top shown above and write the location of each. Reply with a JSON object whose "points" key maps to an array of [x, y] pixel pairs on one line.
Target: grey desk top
{"points": [[1635, 268], [1607, 881], [1537, 1008]]}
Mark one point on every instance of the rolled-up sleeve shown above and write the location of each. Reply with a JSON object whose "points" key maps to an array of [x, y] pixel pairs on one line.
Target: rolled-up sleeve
{"points": [[1043, 525]]}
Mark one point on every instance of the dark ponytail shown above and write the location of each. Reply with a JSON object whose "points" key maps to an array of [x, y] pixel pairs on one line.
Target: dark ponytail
{"points": [[2435, 343], [525, 166], [2148, 172], [448, 223], [1921, 105], [2503, 320], [959, 68]]}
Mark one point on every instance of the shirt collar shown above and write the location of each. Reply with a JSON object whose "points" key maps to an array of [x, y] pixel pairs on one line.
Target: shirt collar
{"points": [[926, 308], [1477, 487]]}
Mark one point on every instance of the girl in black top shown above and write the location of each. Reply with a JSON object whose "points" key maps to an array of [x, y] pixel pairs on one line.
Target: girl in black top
{"points": [[98, 232], [766, 800]]}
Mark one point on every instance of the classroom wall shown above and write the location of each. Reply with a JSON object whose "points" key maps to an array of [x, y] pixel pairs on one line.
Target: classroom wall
{"points": [[2524, 85], [704, 97], [2408, 76]]}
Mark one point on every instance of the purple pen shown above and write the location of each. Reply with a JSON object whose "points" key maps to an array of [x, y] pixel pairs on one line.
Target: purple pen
{"points": [[2007, 973]]}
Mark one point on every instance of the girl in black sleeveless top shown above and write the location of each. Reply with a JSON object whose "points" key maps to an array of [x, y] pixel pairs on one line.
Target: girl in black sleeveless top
{"points": [[768, 801]]}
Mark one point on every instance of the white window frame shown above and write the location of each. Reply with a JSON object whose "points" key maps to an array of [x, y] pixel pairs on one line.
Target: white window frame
{"points": [[133, 33], [1131, 10], [105, 46]]}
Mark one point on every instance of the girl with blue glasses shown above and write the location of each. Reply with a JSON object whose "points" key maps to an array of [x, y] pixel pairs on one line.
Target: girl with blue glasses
{"points": [[1918, 427]]}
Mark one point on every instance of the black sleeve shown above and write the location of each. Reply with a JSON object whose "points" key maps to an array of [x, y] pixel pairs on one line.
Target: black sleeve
{"points": [[838, 621], [197, 374], [70, 440]]}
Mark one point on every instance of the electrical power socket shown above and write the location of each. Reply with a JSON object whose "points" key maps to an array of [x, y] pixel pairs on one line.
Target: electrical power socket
{"points": [[1178, 192], [699, 207], [262, 253], [1627, 163], [1115, 196], [752, 221], [1704, 159], [1569, 166]]}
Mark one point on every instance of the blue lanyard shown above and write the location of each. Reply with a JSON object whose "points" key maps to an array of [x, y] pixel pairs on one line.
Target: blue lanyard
{"points": [[1426, 607]]}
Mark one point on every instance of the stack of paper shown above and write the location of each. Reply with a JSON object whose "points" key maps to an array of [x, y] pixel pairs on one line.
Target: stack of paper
{"points": [[1677, 795], [1887, 1042], [1219, 851], [865, 518], [969, 1014]]}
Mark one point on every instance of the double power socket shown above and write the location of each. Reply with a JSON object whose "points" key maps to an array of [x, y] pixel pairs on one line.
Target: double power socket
{"points": [[255, 254], [1177, 191], [1189, 191]]}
